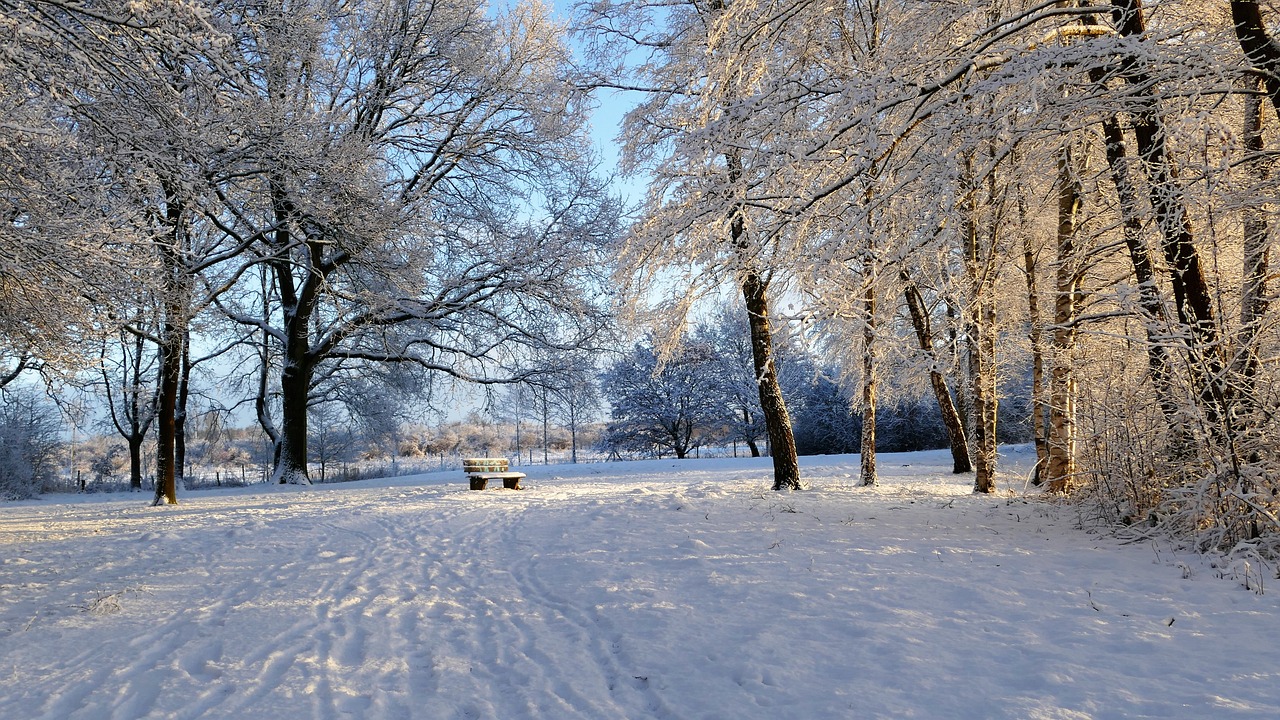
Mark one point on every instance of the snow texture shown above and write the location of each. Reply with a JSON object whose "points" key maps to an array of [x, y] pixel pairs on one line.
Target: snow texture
{"points": [[656, 589]]}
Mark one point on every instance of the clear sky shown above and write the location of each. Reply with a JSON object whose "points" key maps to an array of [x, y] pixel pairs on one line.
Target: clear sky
{"points": [[607, 121]]}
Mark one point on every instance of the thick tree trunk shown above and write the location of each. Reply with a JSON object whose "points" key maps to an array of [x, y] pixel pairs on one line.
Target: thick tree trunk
{"points": [[1061, 467], [172, 335], [170, 370], [296, 306], [956, 435], [295, 385]]}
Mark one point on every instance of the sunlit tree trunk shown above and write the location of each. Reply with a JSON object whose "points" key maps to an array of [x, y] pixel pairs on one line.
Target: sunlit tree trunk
{"points": [[782, 444], [868, 445], [1061, 467], [980, 320]]}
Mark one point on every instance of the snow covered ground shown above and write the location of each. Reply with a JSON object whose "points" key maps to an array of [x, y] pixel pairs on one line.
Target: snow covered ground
{"points": [[656, 589]]}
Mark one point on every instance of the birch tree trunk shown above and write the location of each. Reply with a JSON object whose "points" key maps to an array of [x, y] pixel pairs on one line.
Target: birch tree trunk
{"points": [[1061, 467], [868, 445], [980, 320]]}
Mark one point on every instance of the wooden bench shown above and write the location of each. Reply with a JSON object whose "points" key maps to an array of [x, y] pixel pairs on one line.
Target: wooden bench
{"points": [[482, 470]]}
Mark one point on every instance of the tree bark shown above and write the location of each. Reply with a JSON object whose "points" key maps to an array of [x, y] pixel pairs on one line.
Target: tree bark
{"points": [[172, 334], [755, 293], [1155, 317], [1262, 52], [296, 306], [956, 436], [170, 370], [1061, 467], [295, 386], [868, 444], [782, 444], [135, 461], [1257, 249], [1036, 336], [1192, 296], [980, 319]]}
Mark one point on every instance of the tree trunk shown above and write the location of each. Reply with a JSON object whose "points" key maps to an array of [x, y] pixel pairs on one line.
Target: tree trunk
{"points": [[295, 385], [755, 293], [956, 435], [296, 306], [1262, 52], [985, 401], [868, 445], [1257, 249], [1061, 468], [1155, 318], [1191, 293], [135, 461], [980, 323], [172, 334], [170, 370], [782, 444], [1036, 337]]}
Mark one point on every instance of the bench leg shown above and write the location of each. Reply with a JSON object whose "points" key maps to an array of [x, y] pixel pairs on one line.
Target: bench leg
{"points": [[511, 483], [478, 483]]}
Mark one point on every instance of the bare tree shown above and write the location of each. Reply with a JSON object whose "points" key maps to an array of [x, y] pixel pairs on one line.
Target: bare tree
{"points": [[431, 205]]}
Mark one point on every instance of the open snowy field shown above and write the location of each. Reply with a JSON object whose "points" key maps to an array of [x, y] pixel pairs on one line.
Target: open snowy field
{"points": [[656, 589]]}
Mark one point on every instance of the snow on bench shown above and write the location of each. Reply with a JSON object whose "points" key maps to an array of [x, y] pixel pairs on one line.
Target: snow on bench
{"points": [[482, 470]]}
